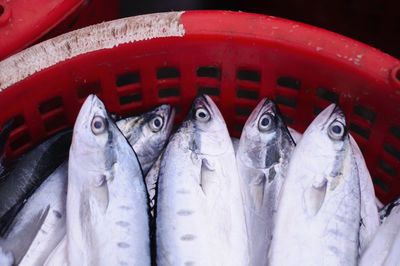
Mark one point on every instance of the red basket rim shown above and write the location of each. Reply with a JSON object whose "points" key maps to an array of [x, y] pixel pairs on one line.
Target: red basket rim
{"points": [[376, 64]]}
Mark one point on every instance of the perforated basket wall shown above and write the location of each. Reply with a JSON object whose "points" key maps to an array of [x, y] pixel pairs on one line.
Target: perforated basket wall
{"points": [[137, 63]]}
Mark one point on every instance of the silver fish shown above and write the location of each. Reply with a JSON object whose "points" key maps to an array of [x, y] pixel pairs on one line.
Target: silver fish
{"points": [[148, 133], [295, 134], [262, 157], [380, 247], [107, 208], [200, 217], [318, 216], [369, 211], [6, 257], [40, 225], [29, 172]]}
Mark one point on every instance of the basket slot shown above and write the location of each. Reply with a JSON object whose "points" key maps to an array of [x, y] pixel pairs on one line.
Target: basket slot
{"points": [[209, 71], [18, 121], [287, 101], [169, 92], [392, 150], [247, 94], [378, 181], [50, 105], [85, 89], [289, 82], [212, 91], [127, 79], [20, 142], [248, 75], [168, 73], [395, 131], [363, 132], [386, 167], [243, 111], [130, 97], [365, 113], [55, 123], [327, 95]]}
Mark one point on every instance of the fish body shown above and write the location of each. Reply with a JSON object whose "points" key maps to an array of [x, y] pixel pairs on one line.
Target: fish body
{"points": [[148, 133], [29, 172], [295, 134], [107, 205], [40, 224], [370, 220], [200, 217], [318, 216], [378, 250], [262, 157]]}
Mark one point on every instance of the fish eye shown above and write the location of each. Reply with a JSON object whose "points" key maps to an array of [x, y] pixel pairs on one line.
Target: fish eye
{"points": [[336, 130], [202, 114], [99, 125], [156, 123], [266, 122]]}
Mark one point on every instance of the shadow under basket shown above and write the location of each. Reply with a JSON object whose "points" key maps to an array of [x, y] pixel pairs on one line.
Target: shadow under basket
{"points": [[137, 63]]}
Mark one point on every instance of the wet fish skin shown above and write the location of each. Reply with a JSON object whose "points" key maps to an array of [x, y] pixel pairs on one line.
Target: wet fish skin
{"points": [[40, 225], [107, 205], [318, 216], [148, 133], [369, 211], [262, 158], [199, 218], [379, 249], [29, 172]]}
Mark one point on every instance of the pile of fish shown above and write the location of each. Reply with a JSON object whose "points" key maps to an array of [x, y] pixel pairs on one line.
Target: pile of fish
{"points": [[128, 192]]}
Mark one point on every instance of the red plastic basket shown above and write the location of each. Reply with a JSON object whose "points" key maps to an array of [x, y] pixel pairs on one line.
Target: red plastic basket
{"points": [[137, 63]]}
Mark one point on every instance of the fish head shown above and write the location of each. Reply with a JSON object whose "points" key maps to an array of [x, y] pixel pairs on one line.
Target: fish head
{"points": [[328, 133], [95, 141], [148, 133], [325, 156], [265, 138], [209, 133]]}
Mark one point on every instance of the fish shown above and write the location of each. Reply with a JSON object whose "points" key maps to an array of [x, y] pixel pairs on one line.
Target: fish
{"points": [[295, 134], [319, 212], [393, 256], [40, 224], [199, 208], [151, 180], [148, 133], [29, 172], [370, 220], [107, 205], [378, 250], [6, 258], [262, 158], [235, 143]]}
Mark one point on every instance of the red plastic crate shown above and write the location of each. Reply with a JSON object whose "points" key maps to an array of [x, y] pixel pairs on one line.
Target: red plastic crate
{"points": [[136, 63]]}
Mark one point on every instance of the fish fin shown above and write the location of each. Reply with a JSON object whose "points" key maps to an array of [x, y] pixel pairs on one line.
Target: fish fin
{"points": [[206, 168], [314, 196], [369, 210], [257, 189]]}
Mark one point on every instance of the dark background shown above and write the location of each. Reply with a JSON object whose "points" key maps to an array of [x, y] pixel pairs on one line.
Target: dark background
{"points": [[375, 22]]}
